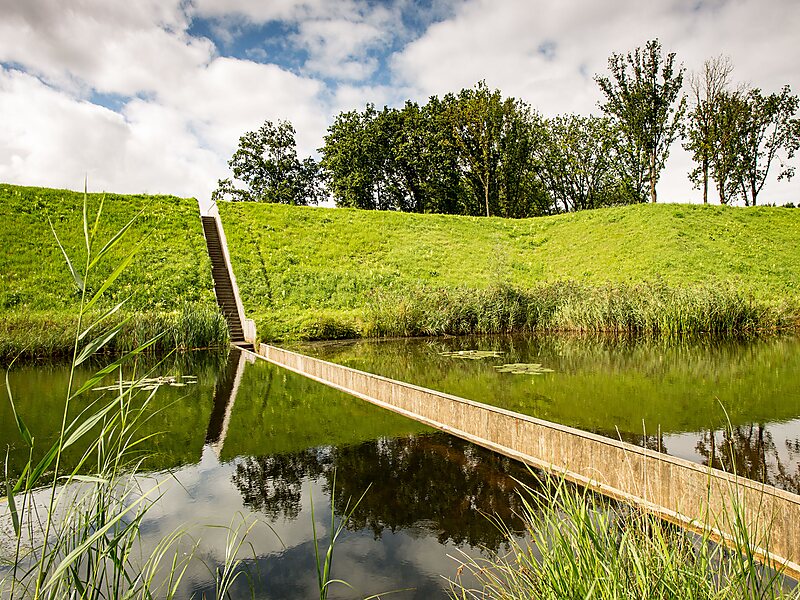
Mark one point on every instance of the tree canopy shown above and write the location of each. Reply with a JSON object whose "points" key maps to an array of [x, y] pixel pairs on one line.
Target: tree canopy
{"points": [[266, 162], [644, 98], [476, 152]]}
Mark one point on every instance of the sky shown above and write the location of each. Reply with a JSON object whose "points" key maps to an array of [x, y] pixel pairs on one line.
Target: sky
{"points": [[151, 96]]}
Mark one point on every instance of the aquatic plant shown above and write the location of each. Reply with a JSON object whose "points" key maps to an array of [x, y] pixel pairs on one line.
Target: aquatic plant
{"points": [[576, 544], [471, 354]]}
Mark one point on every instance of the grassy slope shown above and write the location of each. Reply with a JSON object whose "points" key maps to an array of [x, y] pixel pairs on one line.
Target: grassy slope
{"points": [[295, 265], [170, 273]]}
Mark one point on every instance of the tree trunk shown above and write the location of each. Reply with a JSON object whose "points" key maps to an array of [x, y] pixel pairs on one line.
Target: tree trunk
{"points": [[705, 180], [652, 177], [486, 194]]}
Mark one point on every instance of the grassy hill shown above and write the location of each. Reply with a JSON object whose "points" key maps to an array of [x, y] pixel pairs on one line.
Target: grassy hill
{"points": [[169, 281], [313, 272]]}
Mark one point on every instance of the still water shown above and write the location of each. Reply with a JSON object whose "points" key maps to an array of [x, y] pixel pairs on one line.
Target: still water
{"points": [[252, 440], [246, 439], [735, 404]]}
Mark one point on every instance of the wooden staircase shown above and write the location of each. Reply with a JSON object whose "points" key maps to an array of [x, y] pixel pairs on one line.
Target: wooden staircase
{"points": [[223, 288]]}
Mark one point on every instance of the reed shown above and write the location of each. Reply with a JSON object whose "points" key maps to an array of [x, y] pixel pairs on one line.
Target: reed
{"points": [[650, 309], [75, 531], [578, 545], [33, 335]]}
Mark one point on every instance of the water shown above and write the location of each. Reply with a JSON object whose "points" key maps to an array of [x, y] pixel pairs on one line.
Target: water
{"points": [[252, 440], [703, 402], [255, 441]]}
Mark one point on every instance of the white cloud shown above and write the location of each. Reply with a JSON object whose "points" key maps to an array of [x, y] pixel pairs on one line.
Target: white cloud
{"points": [[183, 107], [112, 47], [50, 138], [338, 48], [501, 42]]}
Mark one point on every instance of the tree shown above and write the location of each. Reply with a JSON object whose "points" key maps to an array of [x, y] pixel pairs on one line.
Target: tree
{"points": [[577, 160], [266, 162], [476, 120], [766, 126], [725, 143], [354, 157], [708, 89], [643, 97], [494, 139]]}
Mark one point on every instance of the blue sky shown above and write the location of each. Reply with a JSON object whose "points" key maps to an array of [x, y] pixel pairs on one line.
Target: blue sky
{"points": [[152, 95]]}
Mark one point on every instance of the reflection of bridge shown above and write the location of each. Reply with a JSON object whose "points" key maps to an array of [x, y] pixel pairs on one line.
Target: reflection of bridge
{"points": [[225, 397], [693, 495]]}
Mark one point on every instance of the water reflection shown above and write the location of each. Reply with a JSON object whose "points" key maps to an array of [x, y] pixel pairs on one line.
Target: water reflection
{"points": [[259, 441], [735, 404], [432, 481]]}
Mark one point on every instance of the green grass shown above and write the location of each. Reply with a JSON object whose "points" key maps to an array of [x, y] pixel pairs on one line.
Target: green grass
{"points": [[168, 283], [310, 273]]}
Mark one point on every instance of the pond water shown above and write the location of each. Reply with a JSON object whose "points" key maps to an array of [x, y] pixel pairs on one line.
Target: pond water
{"points": [[734, 404], [249, 439], [252, 440]]}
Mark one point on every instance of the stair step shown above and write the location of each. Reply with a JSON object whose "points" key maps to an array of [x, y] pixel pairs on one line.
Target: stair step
{"points": [[223, 286]]}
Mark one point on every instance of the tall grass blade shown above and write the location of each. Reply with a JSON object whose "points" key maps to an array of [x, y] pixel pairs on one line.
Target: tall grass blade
{"points": [[12, 508], [99, 342], [43, 465], [23, 430], [110, 280], [110, 312], [78, 279], [97, 377], [87, 424], [85, 215], [81, 548], [115, 239], [97, 216]]}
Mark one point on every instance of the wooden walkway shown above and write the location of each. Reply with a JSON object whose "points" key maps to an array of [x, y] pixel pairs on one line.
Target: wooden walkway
{"points": [[693, 495]]}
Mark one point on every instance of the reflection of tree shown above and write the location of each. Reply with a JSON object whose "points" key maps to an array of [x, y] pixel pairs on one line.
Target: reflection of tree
{"points": [[744, 450], [785, 478], [434, 481], [273, 484]]}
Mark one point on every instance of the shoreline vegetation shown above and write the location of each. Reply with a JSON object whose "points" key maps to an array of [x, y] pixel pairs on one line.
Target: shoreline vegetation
{"points": [[657, 271], [666, 271]]}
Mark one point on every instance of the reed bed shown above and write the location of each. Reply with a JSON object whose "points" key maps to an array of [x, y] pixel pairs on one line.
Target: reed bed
{"points": [[651, 309], [51, 334], [578, 545]]}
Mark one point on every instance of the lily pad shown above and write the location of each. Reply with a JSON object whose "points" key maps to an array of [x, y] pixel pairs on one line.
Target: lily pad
{"points": [[472, 354], [523, 369], [151, 383]]}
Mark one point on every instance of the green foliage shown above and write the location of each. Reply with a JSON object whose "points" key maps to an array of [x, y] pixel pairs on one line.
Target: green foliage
{"points": [[643, 97], [470, 153], [578, 161], [736, 135], [766, 127], [266, 162], [577, 545], [324, 273], [167, 283], [708, 91]]}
